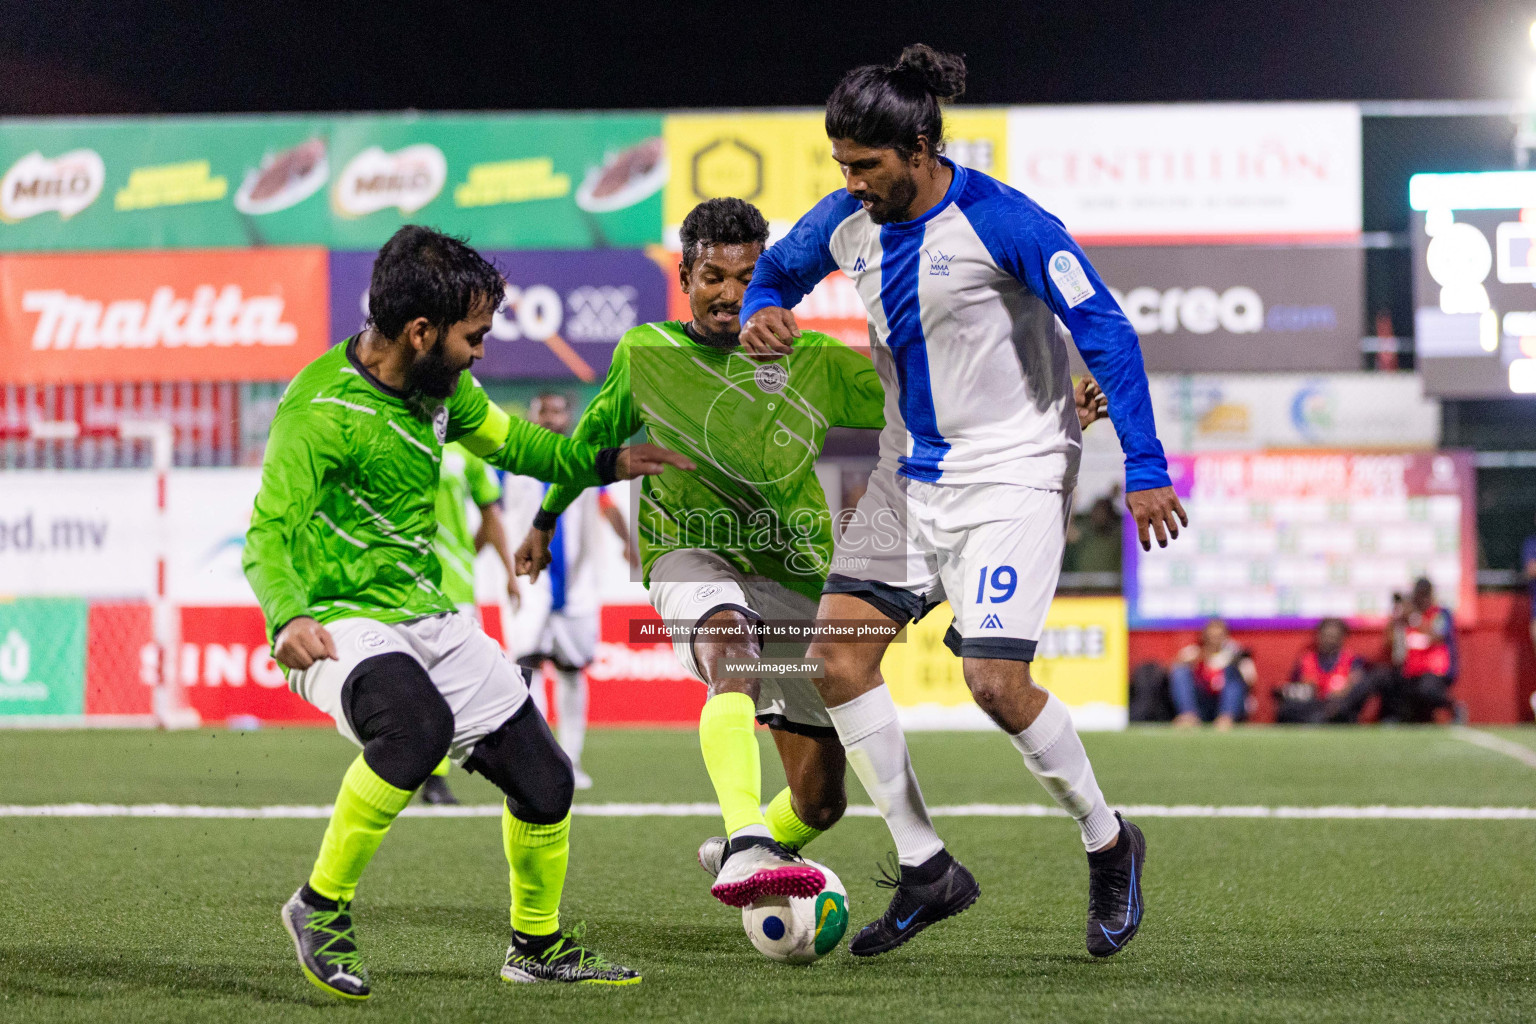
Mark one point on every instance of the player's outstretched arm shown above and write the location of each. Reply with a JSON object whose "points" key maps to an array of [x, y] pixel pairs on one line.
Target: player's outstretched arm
{"points": [[1156, 511], [786, 273]]}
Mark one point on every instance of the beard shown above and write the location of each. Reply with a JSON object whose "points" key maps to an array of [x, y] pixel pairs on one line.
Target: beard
{"points": [[892, 207], [431, 374]]}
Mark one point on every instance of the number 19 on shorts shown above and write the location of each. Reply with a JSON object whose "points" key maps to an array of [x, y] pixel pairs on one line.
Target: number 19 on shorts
{"points": [[1004, 581]]}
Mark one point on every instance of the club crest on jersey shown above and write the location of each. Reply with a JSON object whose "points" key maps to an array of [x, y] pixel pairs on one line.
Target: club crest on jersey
{"points": [[771, 378], [938, 262], [1070, 278], [440, 424], [706, 592]]}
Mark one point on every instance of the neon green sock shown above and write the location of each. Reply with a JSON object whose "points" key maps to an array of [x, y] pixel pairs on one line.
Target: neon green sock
{"points": [[731, 757], [538, 855], [442, 769], [365, 808], [787, 828]]}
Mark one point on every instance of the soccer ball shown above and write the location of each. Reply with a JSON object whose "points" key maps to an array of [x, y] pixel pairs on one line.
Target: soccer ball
{"points": [[797, 929]]}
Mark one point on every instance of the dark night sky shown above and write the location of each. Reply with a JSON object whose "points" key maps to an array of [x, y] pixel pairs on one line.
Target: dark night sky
{"points": [[130, 56]]}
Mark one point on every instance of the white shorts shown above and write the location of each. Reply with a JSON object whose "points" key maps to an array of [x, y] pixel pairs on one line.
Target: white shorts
{"points": [[690, 585], [483, 689], [992, 550], [570, 641]]}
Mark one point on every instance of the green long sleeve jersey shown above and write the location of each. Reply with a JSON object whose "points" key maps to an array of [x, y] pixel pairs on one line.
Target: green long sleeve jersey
{"points": [[755, 429], [346, 515]]}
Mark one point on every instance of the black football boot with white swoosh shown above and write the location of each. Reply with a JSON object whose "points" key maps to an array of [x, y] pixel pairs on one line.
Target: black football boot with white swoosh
{"points": [[940, 887], [1114, 891]]}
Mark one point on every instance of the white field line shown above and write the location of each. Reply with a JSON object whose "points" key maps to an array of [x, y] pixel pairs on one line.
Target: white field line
{"points": [[1488, 741], [703, 810]]}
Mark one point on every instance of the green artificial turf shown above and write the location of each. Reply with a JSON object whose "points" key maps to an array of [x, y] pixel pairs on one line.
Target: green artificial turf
{"points": [[1247, 920]]}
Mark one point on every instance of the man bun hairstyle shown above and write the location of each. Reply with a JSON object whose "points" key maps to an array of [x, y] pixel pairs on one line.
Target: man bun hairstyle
{"points": [[424, 273], [889, 107], [723, 221]]}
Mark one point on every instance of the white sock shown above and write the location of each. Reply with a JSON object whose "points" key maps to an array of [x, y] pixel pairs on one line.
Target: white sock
{"points": [[760, 831], [877, 750], [571, 700], [1055, 754]]}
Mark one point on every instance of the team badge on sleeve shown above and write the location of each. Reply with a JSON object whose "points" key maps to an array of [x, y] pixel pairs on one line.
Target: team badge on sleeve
{"points": [[1071, 280]]}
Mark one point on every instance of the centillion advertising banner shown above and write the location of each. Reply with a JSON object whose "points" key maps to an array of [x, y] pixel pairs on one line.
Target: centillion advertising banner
{"points": [[1083, 659]]}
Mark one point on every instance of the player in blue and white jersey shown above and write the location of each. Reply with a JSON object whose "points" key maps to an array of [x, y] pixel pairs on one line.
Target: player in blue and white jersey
{"points": [[971, 289]]}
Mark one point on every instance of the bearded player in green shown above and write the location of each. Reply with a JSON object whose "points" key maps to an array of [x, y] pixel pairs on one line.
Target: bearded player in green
{"points": [[339, 553], [740, 549]]}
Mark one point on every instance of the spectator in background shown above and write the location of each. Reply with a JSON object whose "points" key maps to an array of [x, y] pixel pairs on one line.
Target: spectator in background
{"points": [[1210, 679], [1329, 683], [1094, 541], [1424, 660]]}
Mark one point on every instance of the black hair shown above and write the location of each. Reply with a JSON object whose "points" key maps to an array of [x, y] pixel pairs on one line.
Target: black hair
{"points": [[723, 221], [889, 107], [1343, 626], [424, 273]]}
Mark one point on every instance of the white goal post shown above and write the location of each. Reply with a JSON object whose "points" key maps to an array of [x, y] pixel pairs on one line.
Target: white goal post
{"points": [[169, 704]]}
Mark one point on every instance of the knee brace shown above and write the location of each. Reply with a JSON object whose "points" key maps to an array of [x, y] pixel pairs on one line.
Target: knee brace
{"points": [[522, 759], [403, 722]]}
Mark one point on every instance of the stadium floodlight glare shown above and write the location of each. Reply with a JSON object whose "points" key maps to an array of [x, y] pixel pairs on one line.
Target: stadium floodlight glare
{"points": [[1486, 190], [1533, 35]]}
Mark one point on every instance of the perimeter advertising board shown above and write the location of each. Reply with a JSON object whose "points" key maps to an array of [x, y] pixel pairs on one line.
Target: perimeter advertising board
{"points": [[42, 656], [1082, 659], [564, 311], [507, 180], [781, 161], [1195, 172], [223, 314], [1205, 308], [1282, 539]]}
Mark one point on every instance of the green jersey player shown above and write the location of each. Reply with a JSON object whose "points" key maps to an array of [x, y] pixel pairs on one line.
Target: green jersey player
{"points": [[339, 553], [736, 553]]}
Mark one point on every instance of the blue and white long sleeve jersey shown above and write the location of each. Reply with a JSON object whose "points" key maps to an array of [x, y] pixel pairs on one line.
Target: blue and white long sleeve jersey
{"points": [[965, 302]]}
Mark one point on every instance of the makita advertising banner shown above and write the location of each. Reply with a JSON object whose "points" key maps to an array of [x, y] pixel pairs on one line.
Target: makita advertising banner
{"points": [[562, 181], [221, 314], [1221, 308], [564, 313], [1210, 172]]}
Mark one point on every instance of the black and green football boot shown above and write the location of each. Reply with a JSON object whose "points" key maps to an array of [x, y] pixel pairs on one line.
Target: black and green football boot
{"points": [[327, 948], [562, 958]]}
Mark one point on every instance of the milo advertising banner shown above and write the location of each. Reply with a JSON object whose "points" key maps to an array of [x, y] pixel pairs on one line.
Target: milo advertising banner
{"points": [[519, 181], [42, 656]]}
